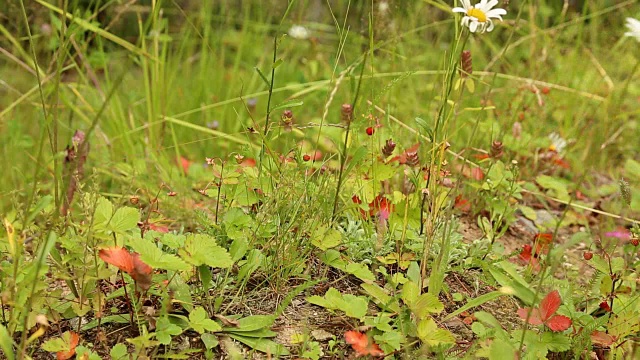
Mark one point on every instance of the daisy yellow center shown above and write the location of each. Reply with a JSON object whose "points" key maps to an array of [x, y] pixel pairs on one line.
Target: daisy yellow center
{"points": [[478, 14]]}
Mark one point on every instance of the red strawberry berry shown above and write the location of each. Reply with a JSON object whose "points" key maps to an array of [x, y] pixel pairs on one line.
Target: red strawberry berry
{"points": [[635, 241], [370, 130], [587, 255], [306, 157]]}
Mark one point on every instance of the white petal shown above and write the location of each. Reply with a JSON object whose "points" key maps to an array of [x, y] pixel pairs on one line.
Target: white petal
{"points": [[460, 10], [490, 27], [496, 12], [473, 26], [466, 4], [492, 3]]}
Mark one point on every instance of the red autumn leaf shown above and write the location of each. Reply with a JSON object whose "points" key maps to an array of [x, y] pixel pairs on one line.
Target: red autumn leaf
{"points": [[248, 162], [129, 263], [562, 163], [545, 314], [362, 344], [602, 338], [73, 343], [185, 163], [543, 242], [481, 156], [159, 228], [462, 204], [526, 257], [380, 206], [605, 306]]}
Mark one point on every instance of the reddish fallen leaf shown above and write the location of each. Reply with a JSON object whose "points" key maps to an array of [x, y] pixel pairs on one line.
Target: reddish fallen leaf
{"points": [[381, 207], [477, 174], [362, 344], [543, 242], [526, 257], [545, 314], [129, 263], [248, 162], [185, 164], [602, 338], [159, 228], [481, 156], [605, 306], [73, 343], [462, 204], [562, 163]]}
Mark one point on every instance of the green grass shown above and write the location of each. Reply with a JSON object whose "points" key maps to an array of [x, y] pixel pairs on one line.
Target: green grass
{"points": [[156, 85]]}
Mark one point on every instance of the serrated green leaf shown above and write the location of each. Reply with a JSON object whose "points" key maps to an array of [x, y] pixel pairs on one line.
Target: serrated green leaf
{"points": [[558, 186], [557, 342], [381, 297], [500, 350], [238, 248], [209, 340], [156, 258], [393, 338], [62, 343], [426, 304], [325, 238], [6, 344], [354, 306], [429, 333], [125, 219], [165, 330], [410, 293], [200, 322], [202, 250], [119, 352], [173, 241], [103, 212]]}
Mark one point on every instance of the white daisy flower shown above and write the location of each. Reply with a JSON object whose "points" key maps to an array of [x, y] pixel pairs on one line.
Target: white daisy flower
{"points": [[299, 32], [558, 144], [634, 28], [478, 18]]}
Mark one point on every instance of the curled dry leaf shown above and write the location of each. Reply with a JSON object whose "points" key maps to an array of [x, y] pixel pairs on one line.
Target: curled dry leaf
{"points": [[129, 263], [74, 339], [362, 344]]}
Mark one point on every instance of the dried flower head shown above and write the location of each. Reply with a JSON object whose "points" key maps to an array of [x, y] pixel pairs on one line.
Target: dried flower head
{"points": [[413, 159], [346, 112], [497, 149], [466, 64], [388, 148]]}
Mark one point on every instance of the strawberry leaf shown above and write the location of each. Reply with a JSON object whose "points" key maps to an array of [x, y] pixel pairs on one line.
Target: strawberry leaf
{"points": [[549, 305], [203, 250], [559, 323], [200, 322]]}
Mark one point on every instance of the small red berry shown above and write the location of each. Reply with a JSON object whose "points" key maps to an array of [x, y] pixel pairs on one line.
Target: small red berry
{"points": [[587, 255], [370, 130], [635, 241], [521, 116], [306, 157], [545, 90]]}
